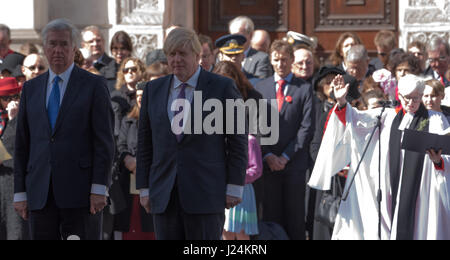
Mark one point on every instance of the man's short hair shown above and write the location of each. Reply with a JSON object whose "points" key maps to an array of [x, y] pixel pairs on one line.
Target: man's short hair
{"points": [[182, 37], [62, 25], [436, 43], [206, 39], [385, 39], [92, 28], [5, 28], [357, 53], [249, 26], [282, 46]]}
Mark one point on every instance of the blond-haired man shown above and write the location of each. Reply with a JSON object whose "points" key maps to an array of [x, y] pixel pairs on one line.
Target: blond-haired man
{"points": [[186, 180]]}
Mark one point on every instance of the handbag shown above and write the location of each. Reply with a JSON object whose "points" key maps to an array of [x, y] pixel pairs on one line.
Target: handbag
{"points": [[329, 203]]}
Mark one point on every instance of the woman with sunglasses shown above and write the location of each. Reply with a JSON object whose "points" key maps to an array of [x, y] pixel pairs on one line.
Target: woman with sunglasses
{"points": [[130, 73], [12, 226]]}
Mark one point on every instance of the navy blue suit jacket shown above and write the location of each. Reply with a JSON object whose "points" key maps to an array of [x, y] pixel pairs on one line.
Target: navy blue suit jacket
{"points": [[201, 165], [296, 126], [76, 154]]}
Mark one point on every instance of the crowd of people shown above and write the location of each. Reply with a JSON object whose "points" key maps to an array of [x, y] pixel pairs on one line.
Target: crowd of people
{"points": [[104, 162]]}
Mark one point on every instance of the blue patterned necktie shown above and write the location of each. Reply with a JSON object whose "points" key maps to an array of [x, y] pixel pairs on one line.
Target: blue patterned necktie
{"points": [[54, 102]]}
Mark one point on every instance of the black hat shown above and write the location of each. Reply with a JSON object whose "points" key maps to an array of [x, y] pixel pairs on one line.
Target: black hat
{"points": [[155, 56], [231, 43], [353, 92], [12, 61]]}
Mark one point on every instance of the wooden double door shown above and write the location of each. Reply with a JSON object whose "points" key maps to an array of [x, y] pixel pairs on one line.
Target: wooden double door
{"points": [[324, 19]]}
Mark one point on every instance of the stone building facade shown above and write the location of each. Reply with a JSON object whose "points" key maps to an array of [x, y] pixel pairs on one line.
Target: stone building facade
{"points": [[145, 20]]}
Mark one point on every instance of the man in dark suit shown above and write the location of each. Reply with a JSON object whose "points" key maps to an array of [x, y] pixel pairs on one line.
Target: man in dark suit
{"points": [[94, 42], [285, 163], [64, 144], [438, 52], [256, 64], [186, 180]]}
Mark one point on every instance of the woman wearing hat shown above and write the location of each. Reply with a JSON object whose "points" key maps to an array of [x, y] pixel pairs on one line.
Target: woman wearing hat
{"points": [[12, 226]]}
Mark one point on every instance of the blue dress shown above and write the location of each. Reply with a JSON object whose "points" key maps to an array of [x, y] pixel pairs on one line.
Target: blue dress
{"points": [[244, 215]]}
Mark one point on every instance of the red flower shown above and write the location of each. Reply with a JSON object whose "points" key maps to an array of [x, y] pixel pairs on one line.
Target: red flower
{"points": [[288, 99]]}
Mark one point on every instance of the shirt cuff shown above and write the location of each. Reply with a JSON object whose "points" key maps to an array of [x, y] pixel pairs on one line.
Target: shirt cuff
{"points": [[286, 156], [235, 190], [144, 193], [99, 189], [440, 166], [265, 156], [20, 197]]}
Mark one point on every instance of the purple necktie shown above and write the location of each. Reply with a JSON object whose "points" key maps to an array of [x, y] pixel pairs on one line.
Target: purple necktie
{"points": [[181, 95]]}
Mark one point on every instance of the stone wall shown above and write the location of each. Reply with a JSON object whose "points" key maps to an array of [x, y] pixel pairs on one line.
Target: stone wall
{"points": [[423, 20]]}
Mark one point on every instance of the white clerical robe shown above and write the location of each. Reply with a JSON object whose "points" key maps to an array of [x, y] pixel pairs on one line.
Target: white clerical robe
{"points": [[358, 215]]}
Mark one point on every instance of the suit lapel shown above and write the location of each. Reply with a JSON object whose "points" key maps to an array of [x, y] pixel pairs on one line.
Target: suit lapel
{"points": [[290, 93], [42, 105], [72, 90], [162, 93]]}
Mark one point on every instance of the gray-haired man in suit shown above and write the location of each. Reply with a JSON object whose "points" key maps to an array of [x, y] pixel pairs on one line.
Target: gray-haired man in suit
{"points": [[256, 63]]}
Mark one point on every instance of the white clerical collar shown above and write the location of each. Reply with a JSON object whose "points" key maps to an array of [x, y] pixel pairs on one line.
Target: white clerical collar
{"points": [[406, 121], [191, 82]]}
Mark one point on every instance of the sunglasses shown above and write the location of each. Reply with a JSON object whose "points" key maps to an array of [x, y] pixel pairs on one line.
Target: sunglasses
{"points": [[10, 98], [382, 54], [33, 68], [131, 69]]}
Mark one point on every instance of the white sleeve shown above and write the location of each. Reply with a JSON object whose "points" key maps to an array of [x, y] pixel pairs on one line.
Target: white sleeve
{"points": [[333, 156]]}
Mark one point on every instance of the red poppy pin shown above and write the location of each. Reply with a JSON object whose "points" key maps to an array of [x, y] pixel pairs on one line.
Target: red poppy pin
{"points": [[288, 99]]}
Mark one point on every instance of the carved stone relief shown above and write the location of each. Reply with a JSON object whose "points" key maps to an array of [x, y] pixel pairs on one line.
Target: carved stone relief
{"points": [[424, 20], [143, 21]]}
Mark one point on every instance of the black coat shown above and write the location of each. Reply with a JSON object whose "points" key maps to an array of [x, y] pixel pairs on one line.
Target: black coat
{"points": [[127, 145], [108, 68], [12, 226]]}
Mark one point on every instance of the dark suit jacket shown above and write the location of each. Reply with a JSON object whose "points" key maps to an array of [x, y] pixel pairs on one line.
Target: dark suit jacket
{"points": [[257, 65], [76, 154], [429, 72], [201, 165], [296, 123], [108, 68]]}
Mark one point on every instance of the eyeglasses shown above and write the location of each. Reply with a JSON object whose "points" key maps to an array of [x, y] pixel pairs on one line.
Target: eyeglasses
{"points": [[442, 58], [410, 99], [34, 67], [128, 70], [10, 98], [382, 54]]}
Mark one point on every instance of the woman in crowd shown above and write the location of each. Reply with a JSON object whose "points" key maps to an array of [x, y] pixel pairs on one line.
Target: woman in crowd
{"points": [[324, 90], [433, 95], [403, 64], [130, 73], [133, 221], [121, 47], [344, 43], [241, 222], [12, 226]]}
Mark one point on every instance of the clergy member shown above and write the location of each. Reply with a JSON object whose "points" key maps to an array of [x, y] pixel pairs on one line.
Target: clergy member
{"points": [[415, 187]]}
